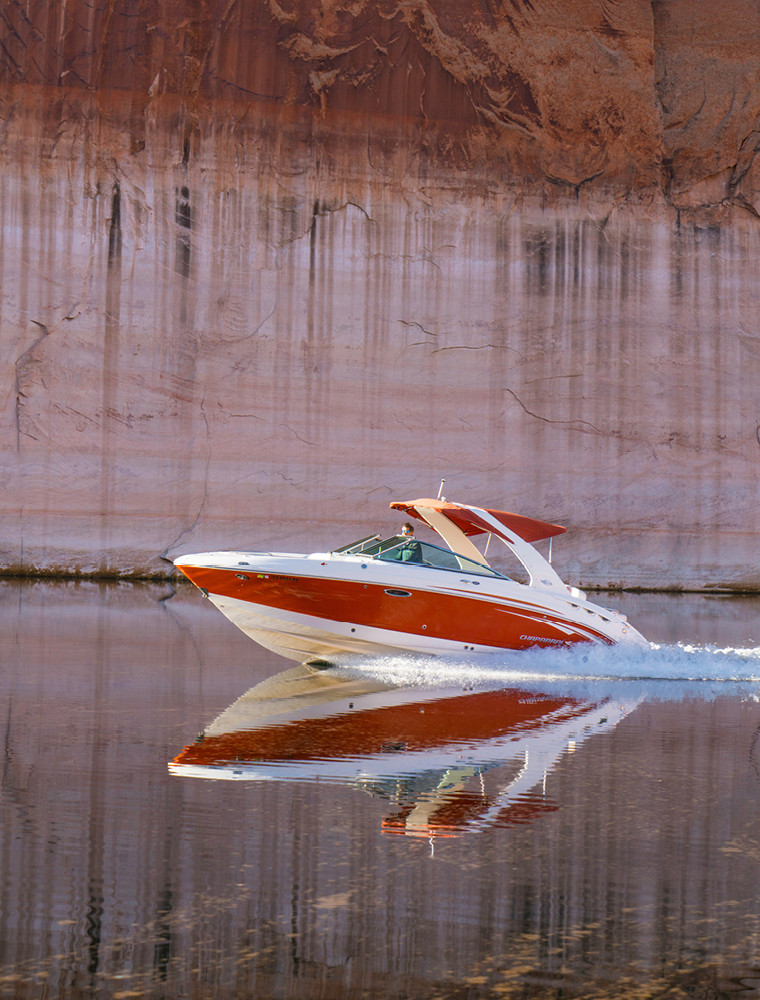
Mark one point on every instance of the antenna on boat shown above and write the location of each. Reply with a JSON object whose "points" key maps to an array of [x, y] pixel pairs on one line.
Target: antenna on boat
{"points": [[440, 490], [550, 549]]}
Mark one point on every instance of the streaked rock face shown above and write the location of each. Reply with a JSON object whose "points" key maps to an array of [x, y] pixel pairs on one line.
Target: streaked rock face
{"points": [[269, 267]]}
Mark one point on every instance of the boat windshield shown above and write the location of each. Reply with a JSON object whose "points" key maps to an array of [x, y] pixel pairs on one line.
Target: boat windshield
{"points": [[417, 553]]}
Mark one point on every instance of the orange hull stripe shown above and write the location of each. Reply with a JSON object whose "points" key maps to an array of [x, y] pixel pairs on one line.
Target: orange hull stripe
{"points": [[452, 617]]}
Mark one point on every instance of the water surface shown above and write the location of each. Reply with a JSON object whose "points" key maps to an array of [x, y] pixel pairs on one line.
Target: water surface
{"points": [[565, 825]]}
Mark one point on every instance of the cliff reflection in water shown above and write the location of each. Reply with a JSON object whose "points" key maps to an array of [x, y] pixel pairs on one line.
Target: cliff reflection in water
{"points": [[449, 761], [630, 867]]}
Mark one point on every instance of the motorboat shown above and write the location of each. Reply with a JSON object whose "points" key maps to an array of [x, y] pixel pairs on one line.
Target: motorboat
{"points": [[397, 595], [448, 760]]}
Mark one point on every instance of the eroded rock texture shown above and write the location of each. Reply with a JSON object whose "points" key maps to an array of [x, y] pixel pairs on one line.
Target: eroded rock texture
{"points": [[268, 265]]}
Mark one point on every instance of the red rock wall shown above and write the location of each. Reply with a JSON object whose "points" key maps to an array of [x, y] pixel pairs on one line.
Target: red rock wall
{"points": [[266, 267], [566, 91]]}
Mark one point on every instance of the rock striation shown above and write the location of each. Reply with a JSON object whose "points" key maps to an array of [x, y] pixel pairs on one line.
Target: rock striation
{"points": [[268, 265]]}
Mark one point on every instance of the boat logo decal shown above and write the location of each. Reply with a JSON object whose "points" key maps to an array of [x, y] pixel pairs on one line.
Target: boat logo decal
{"points": [[543, 638]]}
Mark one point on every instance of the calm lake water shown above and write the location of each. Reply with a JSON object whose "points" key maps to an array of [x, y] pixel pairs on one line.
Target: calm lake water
{"points": [[567, 825]]}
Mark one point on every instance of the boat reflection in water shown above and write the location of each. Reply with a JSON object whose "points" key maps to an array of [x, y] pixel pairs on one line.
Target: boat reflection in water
{"points": [[449, 760]]}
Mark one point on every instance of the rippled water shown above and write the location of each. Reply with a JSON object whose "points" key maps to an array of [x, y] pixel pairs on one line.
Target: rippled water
{"points": [[186, 815]]}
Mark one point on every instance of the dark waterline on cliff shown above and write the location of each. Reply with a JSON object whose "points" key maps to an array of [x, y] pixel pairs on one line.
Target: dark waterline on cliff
{"points": [[575, 830]]}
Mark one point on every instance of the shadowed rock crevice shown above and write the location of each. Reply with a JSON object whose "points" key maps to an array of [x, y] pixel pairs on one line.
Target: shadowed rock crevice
{"points": [[113, 279], [183, 216]]}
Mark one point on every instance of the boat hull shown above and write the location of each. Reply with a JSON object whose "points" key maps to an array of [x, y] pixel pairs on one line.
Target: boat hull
{"points": [[304, 607]]}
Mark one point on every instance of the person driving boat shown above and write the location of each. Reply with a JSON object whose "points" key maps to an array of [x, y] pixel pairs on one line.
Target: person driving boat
{"points": [[410, 551]]}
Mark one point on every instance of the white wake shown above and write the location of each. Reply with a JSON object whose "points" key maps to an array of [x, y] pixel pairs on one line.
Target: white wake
{"points": [[662, 671]]}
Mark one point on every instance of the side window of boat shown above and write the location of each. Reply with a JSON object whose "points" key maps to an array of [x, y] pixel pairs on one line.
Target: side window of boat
{"points": [[423, 554], [398, 551], [434, 556]]}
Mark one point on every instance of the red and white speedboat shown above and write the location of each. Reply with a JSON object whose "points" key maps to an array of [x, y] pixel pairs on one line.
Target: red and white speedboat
{"points": [[389, 596]]}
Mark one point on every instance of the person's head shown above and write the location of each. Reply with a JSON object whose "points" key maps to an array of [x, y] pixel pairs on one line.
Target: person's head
{"points": [[407, 530]]}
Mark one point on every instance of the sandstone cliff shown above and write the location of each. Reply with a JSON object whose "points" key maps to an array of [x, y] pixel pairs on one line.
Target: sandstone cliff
{"points": [[266, 265]]}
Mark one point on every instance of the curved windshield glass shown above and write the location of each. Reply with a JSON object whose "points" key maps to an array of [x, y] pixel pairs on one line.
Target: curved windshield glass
{"points": [[424, 554]]}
